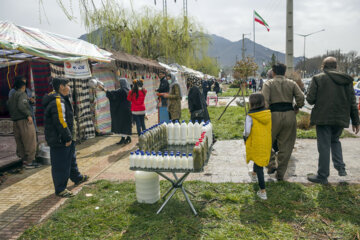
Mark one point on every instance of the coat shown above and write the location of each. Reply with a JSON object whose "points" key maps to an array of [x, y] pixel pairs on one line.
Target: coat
{"points": [[121, 118], [259, 141], [174, 106], [59, 119], [333, 94], [196, 101], [137, 103], [19, 106]]}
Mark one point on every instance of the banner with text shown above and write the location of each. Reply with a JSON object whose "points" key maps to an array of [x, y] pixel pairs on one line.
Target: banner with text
{"points": [[77, 69]]}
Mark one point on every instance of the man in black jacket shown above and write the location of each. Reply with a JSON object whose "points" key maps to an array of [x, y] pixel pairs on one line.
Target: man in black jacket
{"points": [[333, 94], [59, 122], [163, 88]]}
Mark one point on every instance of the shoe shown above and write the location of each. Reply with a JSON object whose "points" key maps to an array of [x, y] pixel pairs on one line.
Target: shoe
{"points": [[316, 179], [32, 165], [253, 177], [83, 179], [128, 140], [262, 195], [342, 172], [271, 170], [65, 194], [122, 141]]}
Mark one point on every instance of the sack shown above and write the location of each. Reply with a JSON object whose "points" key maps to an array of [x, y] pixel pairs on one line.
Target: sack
{"points": [[198, 114]]}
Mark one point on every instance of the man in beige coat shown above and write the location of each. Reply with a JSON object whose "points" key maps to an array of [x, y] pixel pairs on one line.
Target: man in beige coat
{"points": [[279, 94]]}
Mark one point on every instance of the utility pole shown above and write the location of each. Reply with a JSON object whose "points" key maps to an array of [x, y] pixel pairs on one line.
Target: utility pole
{"points": [[289, 57], [185, 8], [164, 8], [243, 45]]}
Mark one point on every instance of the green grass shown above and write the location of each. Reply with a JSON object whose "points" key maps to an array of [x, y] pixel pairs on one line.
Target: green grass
{"points": [[231, 125], [226, 211], [230, 92]]}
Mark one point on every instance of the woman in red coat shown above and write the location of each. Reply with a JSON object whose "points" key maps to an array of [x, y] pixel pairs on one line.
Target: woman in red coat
{"points": [[137, 98]]}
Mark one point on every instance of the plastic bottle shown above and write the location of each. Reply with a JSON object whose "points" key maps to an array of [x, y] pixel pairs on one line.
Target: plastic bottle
{"points": [[202, 123], [164, 134], [172, 161], [142, 141], [197, 157], [148, 160], [203, 151], [184, 161], [183, 133], [178, 164], [190, 133], [159, 161], [197, 130], [132, 158], [166, 161], [177, 133], [142, 160], [147, 140], [210, 136], [137, 159], [153, 160], [190, 165], [170, 129]]}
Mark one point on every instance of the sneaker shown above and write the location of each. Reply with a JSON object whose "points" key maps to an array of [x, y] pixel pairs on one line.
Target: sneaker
{"points": [[83, 179], [253, 177], [31, 165], [342, 172], [316, 179], [262, 195], [65, 194]]}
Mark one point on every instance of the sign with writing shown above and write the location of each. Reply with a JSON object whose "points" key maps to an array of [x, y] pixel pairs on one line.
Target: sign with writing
{"points": [[77, 69]]}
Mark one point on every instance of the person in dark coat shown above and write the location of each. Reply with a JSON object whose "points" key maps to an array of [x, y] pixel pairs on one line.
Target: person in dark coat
{"points": [[120, 109], [196, 101], [217, 88], [205, 88], [163, 88]]}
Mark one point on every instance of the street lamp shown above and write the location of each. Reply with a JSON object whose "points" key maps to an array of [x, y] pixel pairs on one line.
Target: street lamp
{"points": [[306, 35]]}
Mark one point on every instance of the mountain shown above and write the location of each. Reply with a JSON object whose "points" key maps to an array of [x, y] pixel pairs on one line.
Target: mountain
{"points": [[227, 51]]}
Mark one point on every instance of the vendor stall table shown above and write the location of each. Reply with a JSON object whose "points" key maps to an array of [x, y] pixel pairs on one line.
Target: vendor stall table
{"points": [[177, 183]]}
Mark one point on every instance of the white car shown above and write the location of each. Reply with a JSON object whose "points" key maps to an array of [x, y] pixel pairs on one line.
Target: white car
{"points": [[357, 91]]}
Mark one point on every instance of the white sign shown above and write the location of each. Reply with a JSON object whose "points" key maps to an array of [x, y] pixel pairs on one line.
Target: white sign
{"points": [[77, 69]]}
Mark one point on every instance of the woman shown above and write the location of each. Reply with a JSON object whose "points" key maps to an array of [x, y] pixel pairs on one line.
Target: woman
{"points": [[137, 98], [174, 96], [196, 101], [120, 111]]}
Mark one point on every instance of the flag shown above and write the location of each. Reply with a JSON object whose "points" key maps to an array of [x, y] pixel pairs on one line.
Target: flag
{"points": [[260, 20]]}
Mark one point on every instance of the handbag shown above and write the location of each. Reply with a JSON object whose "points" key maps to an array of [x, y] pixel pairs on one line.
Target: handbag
{"points": [[198, 114]]}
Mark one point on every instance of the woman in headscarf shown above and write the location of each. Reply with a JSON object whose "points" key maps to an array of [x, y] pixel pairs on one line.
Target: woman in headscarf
{"points": [[196, 101], [120, 109], [174, 96]]}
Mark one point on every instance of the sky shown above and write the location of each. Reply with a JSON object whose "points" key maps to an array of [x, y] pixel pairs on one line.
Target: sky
{"points": [[225, 18]]}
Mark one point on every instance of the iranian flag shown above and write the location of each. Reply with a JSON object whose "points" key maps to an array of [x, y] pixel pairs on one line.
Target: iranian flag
{"points": [[260, 20]]}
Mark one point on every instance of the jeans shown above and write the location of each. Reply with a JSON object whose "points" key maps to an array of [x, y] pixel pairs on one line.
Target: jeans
{"points": [[260, 174], [140, 123], [328, 140]]}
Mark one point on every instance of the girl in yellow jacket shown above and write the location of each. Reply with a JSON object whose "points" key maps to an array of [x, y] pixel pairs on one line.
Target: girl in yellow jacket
{"points": [[257, 136]]}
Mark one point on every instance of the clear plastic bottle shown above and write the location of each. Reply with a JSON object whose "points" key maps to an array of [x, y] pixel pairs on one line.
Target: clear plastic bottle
{"points": [[203, 151], [190, 165], [142, 141], [166, 161], [202, 123], [164, 134], [137, 160], [170, 128], [153, 160], [143, 160], [178, 163], [197, 130], [159, 161], [132, 159], [172, 161], [190, 133], [183, 133], [184, 161], [197, 157], [177, 133], [148, 160]]}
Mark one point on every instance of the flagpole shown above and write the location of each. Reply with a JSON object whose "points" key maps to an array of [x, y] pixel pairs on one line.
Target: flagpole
{"points": [[254, 31]]}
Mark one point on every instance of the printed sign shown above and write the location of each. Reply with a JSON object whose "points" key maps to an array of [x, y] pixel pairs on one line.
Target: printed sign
{"points": [[77, 69]]}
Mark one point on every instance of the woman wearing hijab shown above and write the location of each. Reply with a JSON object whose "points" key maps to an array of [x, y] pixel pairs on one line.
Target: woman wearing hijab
{"points": [[120, 109], [196, 101], [174, 96]]}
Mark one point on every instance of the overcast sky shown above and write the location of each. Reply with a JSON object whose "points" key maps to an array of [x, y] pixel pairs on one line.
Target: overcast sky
{"points": [[226, 18]]}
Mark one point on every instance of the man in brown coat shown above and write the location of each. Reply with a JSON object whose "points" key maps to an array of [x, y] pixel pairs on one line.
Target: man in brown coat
{"points": [[279, 94], [333, 94]]}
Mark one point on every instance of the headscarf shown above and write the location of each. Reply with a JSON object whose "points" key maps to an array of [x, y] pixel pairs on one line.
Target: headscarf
{"points": [[174, 82], [192, 81], [124, 84]]}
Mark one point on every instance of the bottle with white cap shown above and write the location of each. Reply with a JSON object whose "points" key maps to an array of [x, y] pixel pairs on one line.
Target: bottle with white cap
{"points": [[177, 133], [183, 133], [190, 133]]}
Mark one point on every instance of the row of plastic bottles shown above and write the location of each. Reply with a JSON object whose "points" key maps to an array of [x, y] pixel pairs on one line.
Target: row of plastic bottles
{"points": [[201, 151], [153, 138], [187, 133], [147, 160]]}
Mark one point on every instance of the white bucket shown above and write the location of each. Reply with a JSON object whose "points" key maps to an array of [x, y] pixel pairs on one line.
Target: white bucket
{"points": [[147, 187]]}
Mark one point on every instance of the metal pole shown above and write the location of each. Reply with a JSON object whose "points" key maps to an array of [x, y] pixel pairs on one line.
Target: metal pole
{"points": [[289, 57], [254, 31], [304, 56]]}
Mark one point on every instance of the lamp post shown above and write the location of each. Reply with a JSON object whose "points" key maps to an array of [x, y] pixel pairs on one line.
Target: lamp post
{"points": [[306, 35]]}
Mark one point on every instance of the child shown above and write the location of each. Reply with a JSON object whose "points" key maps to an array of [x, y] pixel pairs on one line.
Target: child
{"points": [[137, 98], [257, 136]]}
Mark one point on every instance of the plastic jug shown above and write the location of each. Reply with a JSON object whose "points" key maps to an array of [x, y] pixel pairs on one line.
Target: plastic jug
{"points": [[197, 130], [190, 165], [183, 133], [132, 159], [190, 133], [147, 187], [184, 161], [166, 161], [197, 157], [178, 163], [177, 133], [172, 161], [142, 160], [170, 128]]}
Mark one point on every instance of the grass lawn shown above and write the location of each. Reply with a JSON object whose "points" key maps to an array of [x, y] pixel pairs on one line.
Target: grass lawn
{"points": [[230, 92], [231, 125], [226, 211]]}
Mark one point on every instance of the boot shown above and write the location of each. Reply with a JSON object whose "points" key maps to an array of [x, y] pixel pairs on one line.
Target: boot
{"points": [[122, 141], [128, 140]]}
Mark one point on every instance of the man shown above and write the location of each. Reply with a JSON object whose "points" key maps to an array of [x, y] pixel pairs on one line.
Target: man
{"points": [[279, 94], [333, 94], [59, 119], [163, 88], [24, 129], [253, 84]]}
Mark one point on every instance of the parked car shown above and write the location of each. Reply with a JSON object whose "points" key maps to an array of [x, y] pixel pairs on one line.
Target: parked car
{"points": [[306, 82], [357, 90]]}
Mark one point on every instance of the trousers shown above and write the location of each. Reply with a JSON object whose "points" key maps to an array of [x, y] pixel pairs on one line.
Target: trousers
{"points": [[25, 138], [328, 140], [140, 123], [64, 166]]}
